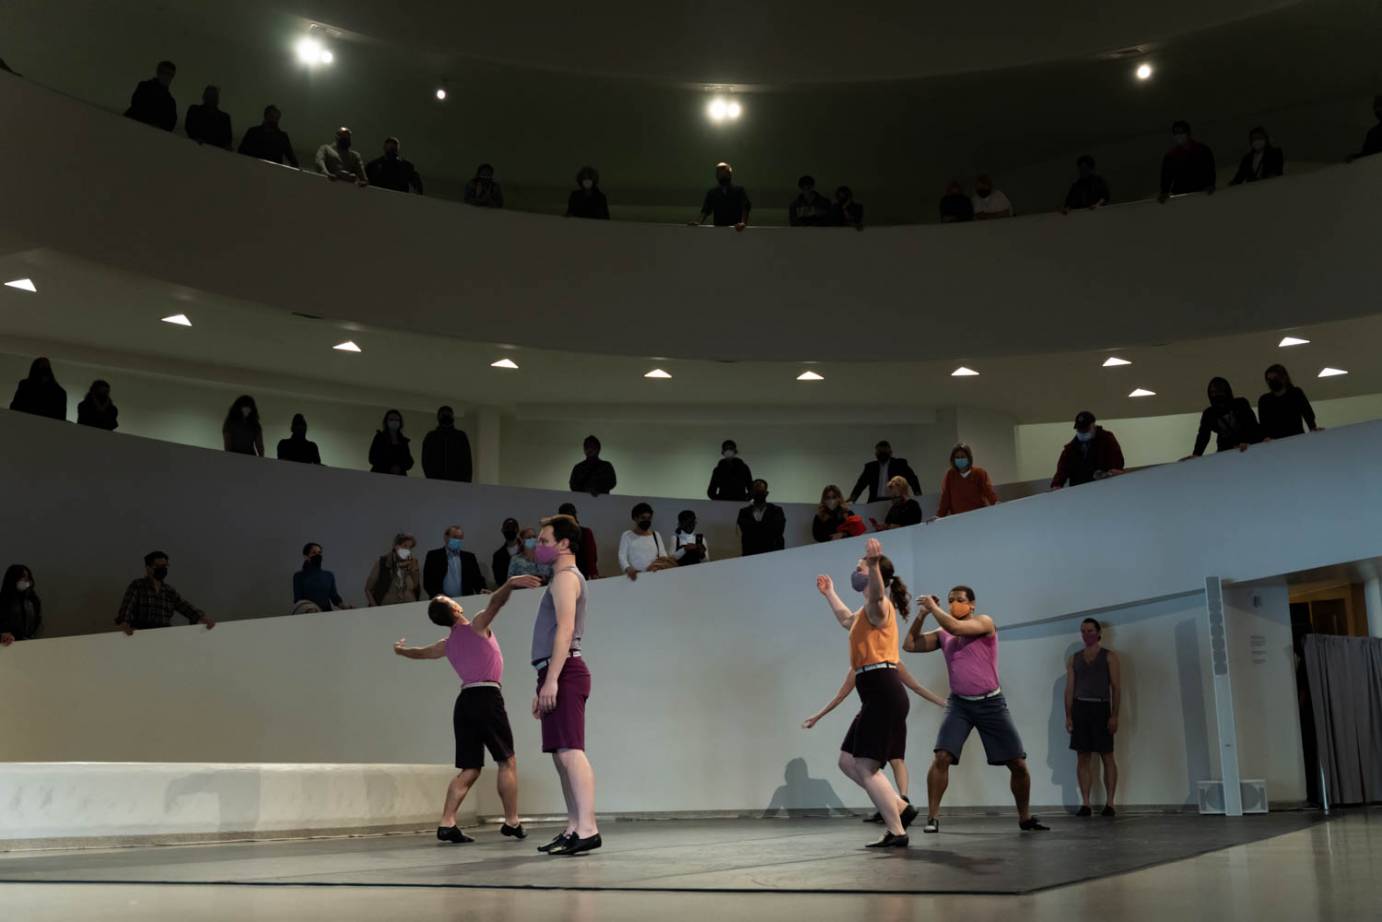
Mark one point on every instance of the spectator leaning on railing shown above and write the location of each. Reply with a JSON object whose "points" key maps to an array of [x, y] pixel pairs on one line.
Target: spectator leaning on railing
{"points": [[151, 603], [337, 161], [965, 487], [267, 141], [152, 103], [1092, 454], [40, 393], [1188, 166], [21, 611]]}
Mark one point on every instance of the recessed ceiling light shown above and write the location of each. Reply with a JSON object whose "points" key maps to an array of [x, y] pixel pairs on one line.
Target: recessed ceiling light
{"points": [[1292, 341], [309, 50], [810, 376], [178, 320], [1332, 372], [1114, 361], [1142, 392], [504, 363], [733, 110], [718, 110], [963, 372], [657, 373], [347, 346], [326, 57], [22, 285], [1144, 71], [441, 93]]}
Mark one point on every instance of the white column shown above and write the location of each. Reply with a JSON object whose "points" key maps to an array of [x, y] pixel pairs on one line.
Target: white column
{"points": [[1225, 719], [486, 425], [1372, 593]]}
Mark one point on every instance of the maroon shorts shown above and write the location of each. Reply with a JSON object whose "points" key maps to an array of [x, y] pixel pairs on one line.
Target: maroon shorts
{"points": [[564, 727]]}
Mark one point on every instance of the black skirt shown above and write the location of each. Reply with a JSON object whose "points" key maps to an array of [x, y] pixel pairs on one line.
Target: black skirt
{"points": [[879, 731]]}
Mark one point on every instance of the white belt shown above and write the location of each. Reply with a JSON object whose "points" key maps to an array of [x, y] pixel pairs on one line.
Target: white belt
{"points": [[538, 664], [471, 685], [872, 666], [993, 694]]}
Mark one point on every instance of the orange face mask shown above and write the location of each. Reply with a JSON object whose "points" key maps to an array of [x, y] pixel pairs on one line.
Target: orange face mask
{"points": [[961, 609]]}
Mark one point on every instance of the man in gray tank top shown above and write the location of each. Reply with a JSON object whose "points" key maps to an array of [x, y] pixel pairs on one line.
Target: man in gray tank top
{"points": [[1093, 687], [563, 683]]}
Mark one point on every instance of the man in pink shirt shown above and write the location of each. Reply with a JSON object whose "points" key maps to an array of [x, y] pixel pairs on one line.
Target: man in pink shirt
{"points": [[479, 718], [970, 645]]}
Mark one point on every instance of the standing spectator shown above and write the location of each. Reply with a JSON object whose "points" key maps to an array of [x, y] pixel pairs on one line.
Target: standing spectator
{"points": [[511, 548], [1089, 190], [394, 577], [150, 602], [1282, 409], [587, 557], [40, 393], [21, 610], [484, 190], [903, 511], [586, 200], [1093, 690], [955, 205], [809, 208], [1372, 141], [296, 447], [830, 515], [688, 545], [315, 585], [152, 103], [338, 162], [988, 201], [846, 212], [640, 546], [965, 486], [450, 570], [96, 409], [1092, 454], [728, 203], [876, 474], [389, 452], [762, 525], [446, 452], [1228, 418], [1262, 161], [241, 432], [731, 478], [206, 123], [526, 562], [594, 475], [268, 142], [393, 172], [1188, 166]]}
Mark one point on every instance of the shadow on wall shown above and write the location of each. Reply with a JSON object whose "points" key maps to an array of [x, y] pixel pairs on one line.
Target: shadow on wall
{"points": [[1059, 756], [1191, 669], [803, 795]]}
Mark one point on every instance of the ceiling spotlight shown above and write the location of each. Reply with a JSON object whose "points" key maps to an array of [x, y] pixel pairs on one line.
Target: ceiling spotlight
{"points": [[810, 376], [733, 110], [310, 50], [1332, 372], [1142, 392], [963, 372], [1114, 361], [441, 93], [326, 57], [347, 346], [504, 363], [657, 373], [1292, 341], [178, 320], [1144, 72], [22, 285], [718, 110]]}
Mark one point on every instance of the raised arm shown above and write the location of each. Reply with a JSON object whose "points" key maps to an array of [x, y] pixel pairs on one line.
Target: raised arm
{"points": [[499, 597], [917, 687], [840, 695], [431, 651], [826, 587], [917, 642], [873, 595], [973, 626]]}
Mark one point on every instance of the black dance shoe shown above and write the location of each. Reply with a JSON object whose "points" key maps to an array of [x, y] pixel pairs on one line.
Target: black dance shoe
{"points": [[1032, 824], [1085, 811], [559, 840], [908, 817], [453, 835], [575, 845], [890, 841], [517, 832]]}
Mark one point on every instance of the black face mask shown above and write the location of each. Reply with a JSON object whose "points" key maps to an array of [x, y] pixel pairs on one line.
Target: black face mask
{"points": [[446, 421], [299, 433], [1276, 384], [883, 457], [510, 535], [314, 563], [645, 524], [724, 180], [1219, 400], [760, 498], [160, 573], [688, 527]]}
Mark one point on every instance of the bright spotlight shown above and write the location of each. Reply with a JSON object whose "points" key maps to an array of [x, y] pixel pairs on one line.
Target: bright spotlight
{"points": [[309, 50], [717, 110], [326, 57], [441, 94], [733, 110], [1144, 72]]}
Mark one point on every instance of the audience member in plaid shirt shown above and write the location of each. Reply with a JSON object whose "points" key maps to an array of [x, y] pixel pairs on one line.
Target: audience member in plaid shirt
{"points": [[150, 602]]}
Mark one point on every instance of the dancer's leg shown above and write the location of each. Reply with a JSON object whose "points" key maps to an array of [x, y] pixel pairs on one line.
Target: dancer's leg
{"points": [[1084, 772], [508, 789], [1110, 776], [455, 793], [880, 791], [566, 794], [900, 774], [937, 780], [581, 781], [1021, 787], [850, 769]]}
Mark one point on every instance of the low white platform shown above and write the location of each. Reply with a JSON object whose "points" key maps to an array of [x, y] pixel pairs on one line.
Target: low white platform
{"points": [[53, 802]]}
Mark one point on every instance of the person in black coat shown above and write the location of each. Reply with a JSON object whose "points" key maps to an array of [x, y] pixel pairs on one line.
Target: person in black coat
{"points": [[586, 200], [40, 393], [391, 171], [879, 471], [594, 475], [1230, 419], [206, 123], [437, 565], [151, 102], [762, 525], [1188, 166], [511, 548], [21, 611], [446, 450], [1262, 161], [389, 452], [731, 478], [1284, 407], [267, 141], [296, 447], [96, 408]]}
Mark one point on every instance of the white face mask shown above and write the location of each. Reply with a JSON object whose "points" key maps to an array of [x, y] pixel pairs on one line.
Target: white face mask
{"points": [[23, 585], [832, 503], [404, 553]]}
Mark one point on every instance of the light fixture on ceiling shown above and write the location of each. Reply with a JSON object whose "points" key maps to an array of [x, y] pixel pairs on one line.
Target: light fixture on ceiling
{"points": [[441, 94], [1114, 361], [1332, 372], [1142, 392], [23, 285], [810, 376], [657, 373], [347, 346], [1292, 341], [311, 51], [721, 109], [963, 372], [504, 363], [1144, 71], [178, 320]]}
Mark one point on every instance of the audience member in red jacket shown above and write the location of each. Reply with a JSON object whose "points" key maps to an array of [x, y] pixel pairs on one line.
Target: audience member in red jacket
{"points": [[1092, 454], [965, 487]]}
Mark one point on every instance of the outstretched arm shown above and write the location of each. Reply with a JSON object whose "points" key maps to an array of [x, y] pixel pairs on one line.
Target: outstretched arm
{"points": [[499, 597], [973, 626], [826, 586], [432, 651], [840, 695], [917, 687]]}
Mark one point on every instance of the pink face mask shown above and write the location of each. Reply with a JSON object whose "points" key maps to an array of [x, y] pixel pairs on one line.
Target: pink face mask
{"points": [[546, 554]]}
